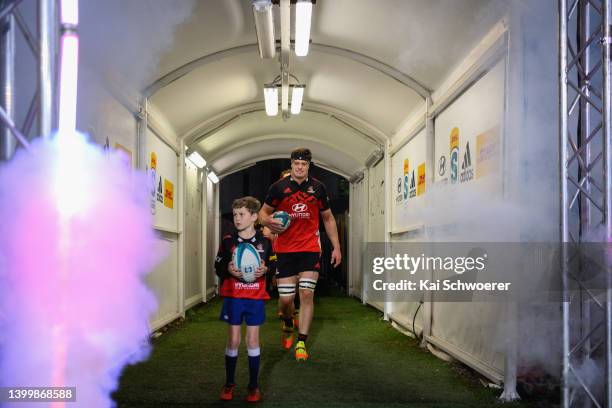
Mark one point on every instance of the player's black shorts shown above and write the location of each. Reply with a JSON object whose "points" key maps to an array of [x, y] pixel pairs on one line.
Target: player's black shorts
{"points": [[292, 263]]}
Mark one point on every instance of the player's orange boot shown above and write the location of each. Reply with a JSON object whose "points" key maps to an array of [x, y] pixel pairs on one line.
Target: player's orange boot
{"points": [[254, 395], [286, 336], [227, 392], [300, 351]]}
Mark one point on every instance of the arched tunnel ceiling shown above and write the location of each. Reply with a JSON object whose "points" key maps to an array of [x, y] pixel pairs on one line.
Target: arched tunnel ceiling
{"points": [[256, 135], [280, 147], [420, 38], [336, 81]]}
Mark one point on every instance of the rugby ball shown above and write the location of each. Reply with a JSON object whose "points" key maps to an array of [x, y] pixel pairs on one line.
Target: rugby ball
{"points": [[284, 217], [247, 260]]}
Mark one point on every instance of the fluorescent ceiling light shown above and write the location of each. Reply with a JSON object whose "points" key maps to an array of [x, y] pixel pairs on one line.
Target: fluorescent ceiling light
{"points": [[213, 177], [264, 27], [297, 94], [69, 68], [303, 15], [69, 12], [197, 160], [271, 99]]}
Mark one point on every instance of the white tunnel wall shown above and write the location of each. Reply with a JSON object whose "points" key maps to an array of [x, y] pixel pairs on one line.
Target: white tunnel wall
{"points": [[110, 122], [376, 217], [502, 107], [165, 279], [193, 235], [212, 235], [358, 212]]}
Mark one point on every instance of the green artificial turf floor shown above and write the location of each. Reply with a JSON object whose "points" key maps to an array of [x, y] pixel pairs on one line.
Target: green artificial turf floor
{"points": [[357, 360]]}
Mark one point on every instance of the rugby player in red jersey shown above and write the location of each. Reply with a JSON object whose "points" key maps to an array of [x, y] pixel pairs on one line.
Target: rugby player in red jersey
{"points": [[298, 248], [243, 301]]}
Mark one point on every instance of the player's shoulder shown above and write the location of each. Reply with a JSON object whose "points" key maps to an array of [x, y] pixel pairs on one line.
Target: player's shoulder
{"points": [[228, 239], [316, 185], [280, 182], [316, 181]]}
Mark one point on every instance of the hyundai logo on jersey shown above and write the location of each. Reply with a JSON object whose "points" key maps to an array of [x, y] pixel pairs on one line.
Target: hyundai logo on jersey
{"points": [[299, 207]]}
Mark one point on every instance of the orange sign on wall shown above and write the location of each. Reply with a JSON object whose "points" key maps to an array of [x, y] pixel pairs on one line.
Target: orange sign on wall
{"points": [[421, 179], [168, 194]]}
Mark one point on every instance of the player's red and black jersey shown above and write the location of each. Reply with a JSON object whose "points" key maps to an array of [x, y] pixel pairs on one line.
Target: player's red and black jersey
{"points": [[302, 202], [235, 288]]}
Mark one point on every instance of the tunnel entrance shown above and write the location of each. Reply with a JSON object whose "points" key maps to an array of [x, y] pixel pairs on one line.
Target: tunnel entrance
{"points": [[255, 180]]}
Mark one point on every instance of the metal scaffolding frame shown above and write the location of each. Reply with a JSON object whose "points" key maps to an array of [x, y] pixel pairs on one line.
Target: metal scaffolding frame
{"points": [[43, 106], [586, 188]]}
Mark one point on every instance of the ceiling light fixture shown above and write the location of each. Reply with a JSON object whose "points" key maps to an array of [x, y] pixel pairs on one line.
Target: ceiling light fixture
{"points": [[297, 94], [303, 16], [213, 177], [271, 96], [196, 159], [264, 27], [271, 99]]}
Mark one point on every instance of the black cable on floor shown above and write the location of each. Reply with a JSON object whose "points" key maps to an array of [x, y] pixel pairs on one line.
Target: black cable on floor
{"points": [[413, 320]]}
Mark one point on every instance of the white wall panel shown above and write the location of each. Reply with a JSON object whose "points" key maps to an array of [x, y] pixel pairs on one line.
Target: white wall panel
{"points": [[211, 237], [103, 117], [193, 234], [475, 118], [469, 154], [163, 281], [357, 230], [376, 214], [408, 169], [164, 175]]}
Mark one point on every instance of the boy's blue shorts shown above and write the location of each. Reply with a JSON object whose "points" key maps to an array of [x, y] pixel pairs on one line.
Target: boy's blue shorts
{"points": [[235, 311]]}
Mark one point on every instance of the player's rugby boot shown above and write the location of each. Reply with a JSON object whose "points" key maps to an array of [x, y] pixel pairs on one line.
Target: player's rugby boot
{"points": [[254, 395], [227, 393], [286, 336], [300, 351]]}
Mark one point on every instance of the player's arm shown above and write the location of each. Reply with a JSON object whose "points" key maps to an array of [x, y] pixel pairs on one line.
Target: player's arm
{"points": [[265, 218], [224, 267], [222, 261], [329, 222], [268, 260]]}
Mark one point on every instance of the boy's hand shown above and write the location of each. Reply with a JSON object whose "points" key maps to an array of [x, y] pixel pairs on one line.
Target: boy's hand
{"points": [[261, 271], [231, 268]]}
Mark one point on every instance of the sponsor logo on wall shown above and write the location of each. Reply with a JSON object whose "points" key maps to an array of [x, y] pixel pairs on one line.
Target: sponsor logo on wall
{"points": [[160, 190], [406, 176], [168, 194], [487, 152], [421, 180], [442, 167], [467, 171], [153, 181], [454, 154], [398, 189]]}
